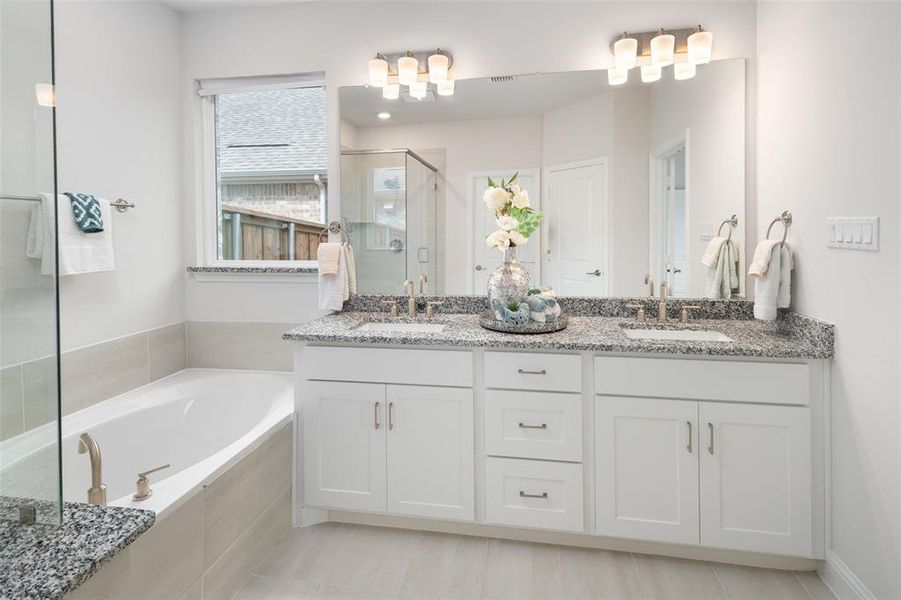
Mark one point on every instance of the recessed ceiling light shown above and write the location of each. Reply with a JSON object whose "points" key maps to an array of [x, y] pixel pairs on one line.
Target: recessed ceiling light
{"points": [[384, 115]]}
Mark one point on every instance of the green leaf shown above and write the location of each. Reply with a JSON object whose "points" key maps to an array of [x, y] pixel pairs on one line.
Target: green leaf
{"points": [[491, 182], [512, 179]]}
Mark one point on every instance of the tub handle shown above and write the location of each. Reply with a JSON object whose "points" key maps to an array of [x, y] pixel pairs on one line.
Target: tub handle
{"points": [[142, 487]]}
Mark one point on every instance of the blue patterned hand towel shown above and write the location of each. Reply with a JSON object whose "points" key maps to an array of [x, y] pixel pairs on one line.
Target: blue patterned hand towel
{"points": [[87, 212]]}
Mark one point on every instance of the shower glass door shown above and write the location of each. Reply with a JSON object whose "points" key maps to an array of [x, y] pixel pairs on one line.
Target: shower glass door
{"points": [[29, 391]]}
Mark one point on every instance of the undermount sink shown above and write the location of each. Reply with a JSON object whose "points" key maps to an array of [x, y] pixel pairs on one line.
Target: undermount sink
{"points": [[681, 335], [403, 327]]}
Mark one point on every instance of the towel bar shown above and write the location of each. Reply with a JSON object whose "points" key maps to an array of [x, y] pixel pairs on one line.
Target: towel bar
{"points": [[120, 204], [786, 219]]}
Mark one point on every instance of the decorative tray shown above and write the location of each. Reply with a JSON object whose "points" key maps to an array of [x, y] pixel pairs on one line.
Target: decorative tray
{"points": [[488, 321]]}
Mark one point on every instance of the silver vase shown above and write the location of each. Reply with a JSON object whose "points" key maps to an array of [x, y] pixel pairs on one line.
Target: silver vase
{"points": [[509, 283]]}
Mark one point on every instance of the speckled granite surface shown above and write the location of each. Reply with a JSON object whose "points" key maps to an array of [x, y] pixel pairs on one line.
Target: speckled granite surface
{"points": [[252, 269], [576, 307], [597, 334], [42, 561]]}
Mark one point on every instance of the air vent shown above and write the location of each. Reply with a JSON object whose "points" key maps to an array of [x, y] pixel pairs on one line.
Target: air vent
{"points": [[503, 79]]}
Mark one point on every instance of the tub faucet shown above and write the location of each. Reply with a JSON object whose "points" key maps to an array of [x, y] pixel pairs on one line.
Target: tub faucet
{"points": [[97, 491]]}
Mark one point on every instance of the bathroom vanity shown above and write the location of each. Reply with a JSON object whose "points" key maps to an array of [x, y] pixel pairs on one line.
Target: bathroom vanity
{"points": [[693, 444]]}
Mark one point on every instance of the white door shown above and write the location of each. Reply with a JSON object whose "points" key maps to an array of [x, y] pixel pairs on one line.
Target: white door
{"points": [[755, 478], [576, 229], [484, 259], [647, 462], [430, 452], [344, 445]]}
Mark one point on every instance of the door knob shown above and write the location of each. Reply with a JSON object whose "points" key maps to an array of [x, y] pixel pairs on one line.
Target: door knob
{"points": [[596, 273], [479, 267]]}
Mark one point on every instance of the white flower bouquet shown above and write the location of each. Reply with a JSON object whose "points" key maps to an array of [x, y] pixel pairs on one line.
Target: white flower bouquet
{"points": [[516, 220]]}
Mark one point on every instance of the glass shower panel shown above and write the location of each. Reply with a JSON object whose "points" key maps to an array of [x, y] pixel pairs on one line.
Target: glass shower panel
{"points": [[421, 224], [29, 397], [374, 210]]}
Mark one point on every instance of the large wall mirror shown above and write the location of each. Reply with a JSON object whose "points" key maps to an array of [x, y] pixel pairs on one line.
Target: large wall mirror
{"points": [[632, 179]]}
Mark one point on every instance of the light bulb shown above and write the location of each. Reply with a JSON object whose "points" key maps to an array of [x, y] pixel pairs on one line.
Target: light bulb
{"points": [[700, 47], [662, 48], [445, 88], [407, 70], [650, 73], [625, 52], [383, 115], [683, 71], [438, 65], [45, 94], [391, 91], [419, 89], [378, 72], [617, 76]]}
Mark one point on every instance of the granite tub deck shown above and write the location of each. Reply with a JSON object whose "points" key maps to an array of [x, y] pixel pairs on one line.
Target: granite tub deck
{"points": [[46, 562], [793, 336]]}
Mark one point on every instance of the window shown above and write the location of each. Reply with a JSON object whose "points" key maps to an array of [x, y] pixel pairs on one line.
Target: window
{"points": [[265, 178]]}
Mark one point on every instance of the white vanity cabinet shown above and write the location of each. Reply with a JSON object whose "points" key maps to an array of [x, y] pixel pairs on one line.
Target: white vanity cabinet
{"points": [[721, 473], [383, 447]]}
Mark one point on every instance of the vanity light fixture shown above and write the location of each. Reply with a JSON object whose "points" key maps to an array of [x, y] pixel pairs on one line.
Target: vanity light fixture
{"points": [[407, 69], [653, 50], [378, 71], [625, 52], [391, 91], [414, 69], [663, 48], [700, 46]]}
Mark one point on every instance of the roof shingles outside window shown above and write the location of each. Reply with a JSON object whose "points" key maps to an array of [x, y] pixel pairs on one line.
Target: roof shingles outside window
{"points": [[277, 132]]}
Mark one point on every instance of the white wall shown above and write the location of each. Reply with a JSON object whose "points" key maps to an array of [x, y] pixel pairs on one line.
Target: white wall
{"points": [[829, 144], [118, 136], [339, 37]]}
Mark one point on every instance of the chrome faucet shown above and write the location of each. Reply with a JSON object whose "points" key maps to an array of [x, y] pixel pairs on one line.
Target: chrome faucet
{"points": [[649, 281], [422, 281], [97, 491], [410, 290], [665, 289]]}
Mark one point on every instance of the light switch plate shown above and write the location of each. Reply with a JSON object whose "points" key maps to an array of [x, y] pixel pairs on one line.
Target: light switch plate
{"points": [[853, 233], [706, 231]]}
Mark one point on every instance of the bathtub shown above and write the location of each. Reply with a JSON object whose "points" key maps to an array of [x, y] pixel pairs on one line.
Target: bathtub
{"points": [[200, 421]]}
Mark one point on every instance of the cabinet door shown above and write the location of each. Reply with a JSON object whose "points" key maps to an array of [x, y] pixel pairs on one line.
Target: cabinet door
{"points": [[755, 477], [344, 445], [430, 452], [647, 462]]}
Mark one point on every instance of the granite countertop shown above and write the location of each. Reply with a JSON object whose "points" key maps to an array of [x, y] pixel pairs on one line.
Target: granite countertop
{"points": [[44, 561], [793, 336]]}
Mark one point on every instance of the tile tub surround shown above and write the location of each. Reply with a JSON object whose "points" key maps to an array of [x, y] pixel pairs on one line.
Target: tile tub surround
{"points": [[573, 306], [233, 345], [213, 542], [596, 334], [41, 561]]}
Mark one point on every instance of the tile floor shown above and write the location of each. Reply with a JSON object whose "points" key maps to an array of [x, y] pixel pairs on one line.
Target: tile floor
{"points": [[348, 562]]}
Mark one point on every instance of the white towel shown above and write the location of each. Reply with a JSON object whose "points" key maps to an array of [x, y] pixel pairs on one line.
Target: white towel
{"points": [[773, 289], [39, 240], [722, 279], [351, 267], [327, 255], [81, 252], [333, 288], [762, 256], [712, 253]]}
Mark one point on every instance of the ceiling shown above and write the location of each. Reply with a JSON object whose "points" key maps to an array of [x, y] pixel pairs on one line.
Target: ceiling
{"points": [[475, 99], [198, 5]]}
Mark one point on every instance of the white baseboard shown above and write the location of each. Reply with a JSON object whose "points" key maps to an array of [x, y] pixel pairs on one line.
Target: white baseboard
{"points": [[307, 517], [842, 580]]}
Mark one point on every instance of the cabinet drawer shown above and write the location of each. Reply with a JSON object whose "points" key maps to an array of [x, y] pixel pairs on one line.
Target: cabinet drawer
{"points": [[533, 425], [522, 371], [387, 365], [755, 382], [531, 493]]}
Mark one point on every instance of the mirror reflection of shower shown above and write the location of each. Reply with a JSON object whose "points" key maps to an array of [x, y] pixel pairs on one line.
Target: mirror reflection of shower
{"points": [[389, 208]]}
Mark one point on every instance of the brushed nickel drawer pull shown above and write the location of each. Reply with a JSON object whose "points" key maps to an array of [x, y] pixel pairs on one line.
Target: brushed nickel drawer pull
{"points": [[375, 415], [390, 416], [524, 426], [527, 372], [710, 447], [689, 447], [542, 495]]}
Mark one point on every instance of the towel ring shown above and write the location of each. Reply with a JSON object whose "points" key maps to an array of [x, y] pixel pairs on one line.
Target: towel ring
{"points": [[335, 228], [732, 222], [786, 219]]}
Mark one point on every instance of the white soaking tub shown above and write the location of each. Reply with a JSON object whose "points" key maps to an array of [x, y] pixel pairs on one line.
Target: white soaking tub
{"points": [[200, 421]]}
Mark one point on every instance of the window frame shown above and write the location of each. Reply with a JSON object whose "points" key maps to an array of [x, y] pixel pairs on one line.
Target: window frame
{"points": [[207, 180]]}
